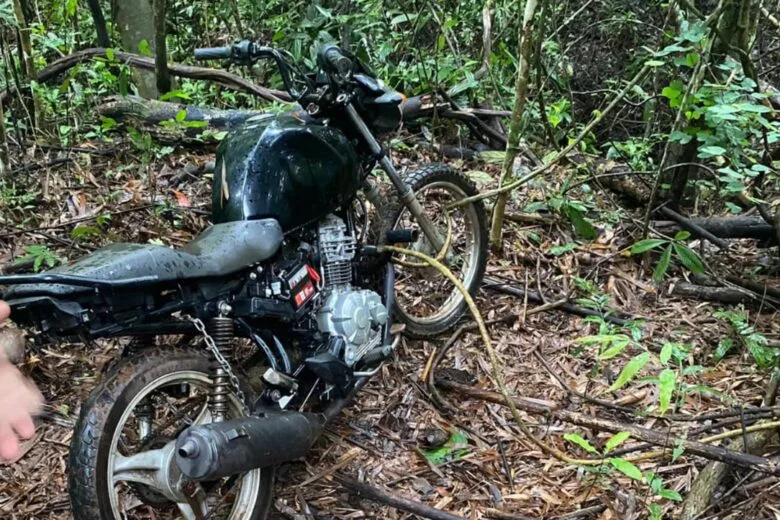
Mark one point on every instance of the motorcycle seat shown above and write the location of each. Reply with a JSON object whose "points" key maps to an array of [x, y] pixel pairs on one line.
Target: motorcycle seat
{"points": [[219, 251]]}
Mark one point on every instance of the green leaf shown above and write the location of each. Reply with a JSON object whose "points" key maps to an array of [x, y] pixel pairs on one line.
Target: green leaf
{"points": [[663, 265], [666, 353], [656, 512], [680, 137], [581, 225], [689, 258], [724, 346], [480, 177], [175, 94], [627, 469], [615, 441], [143, 48], [671, 92], [619, 343], [646, 245], [579, 441], [677, 451], [455, 448], [655, 63], [671, 49], [110, 54], [181, 115], [765, 357], [630, 370], [694, 32], [682, 235], [561, 250], [705, 152], [670, 494], [667, 381]]}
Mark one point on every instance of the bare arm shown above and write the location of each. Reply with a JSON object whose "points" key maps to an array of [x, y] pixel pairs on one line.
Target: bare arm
{"points": [[19, 400]]}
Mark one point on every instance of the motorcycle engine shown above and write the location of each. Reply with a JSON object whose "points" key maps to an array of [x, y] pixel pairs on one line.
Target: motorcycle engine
{"points": [[352, 317]]}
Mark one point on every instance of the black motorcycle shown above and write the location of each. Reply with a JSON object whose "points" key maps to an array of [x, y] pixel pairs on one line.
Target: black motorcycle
{"points": [[248, 340]]}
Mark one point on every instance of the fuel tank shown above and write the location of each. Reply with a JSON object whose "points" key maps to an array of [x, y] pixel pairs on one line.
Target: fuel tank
{"points": [[285, 166]]}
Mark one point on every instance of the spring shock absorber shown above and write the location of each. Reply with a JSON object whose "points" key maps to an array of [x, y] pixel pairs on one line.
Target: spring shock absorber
{"points": [[221, 330]]}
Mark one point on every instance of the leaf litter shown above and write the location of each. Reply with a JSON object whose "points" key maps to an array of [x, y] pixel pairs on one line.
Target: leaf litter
{"points": [[484, 466]]}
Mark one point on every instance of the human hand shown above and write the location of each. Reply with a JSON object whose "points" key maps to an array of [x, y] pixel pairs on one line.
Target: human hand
{"points": [[19, 400]]}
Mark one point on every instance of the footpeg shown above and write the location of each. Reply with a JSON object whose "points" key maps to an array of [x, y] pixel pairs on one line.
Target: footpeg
{"points": [[277, 379]]}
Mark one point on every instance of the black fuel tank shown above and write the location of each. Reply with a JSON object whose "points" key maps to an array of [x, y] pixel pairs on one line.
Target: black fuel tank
{"points": [[286, 166]]}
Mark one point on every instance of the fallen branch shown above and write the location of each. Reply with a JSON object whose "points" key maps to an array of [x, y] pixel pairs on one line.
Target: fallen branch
{"points": [[718, 294], [502, 287], [724, 227], [497, 514], [153, 112], [398, 502], [222, 77], [758, 288], [769, 16], [694, 228], [667, 442]]}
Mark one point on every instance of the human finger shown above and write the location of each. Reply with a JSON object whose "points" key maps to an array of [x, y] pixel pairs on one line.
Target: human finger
{"points": [[23, 426], [5, 310], [9, 444]]}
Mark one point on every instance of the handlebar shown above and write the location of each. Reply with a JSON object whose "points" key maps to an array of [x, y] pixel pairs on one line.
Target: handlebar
{"points": [[214, 53], [332, 59], [246, 51]]}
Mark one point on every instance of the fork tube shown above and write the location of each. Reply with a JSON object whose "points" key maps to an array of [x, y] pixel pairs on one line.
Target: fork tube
{"points": [[407, 194]]}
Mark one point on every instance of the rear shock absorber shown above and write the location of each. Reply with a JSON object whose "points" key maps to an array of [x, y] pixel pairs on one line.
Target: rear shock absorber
{"points": [[221, 331]]}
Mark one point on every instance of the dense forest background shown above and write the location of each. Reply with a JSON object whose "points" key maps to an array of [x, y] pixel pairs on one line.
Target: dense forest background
{"points": [[640, 143]]}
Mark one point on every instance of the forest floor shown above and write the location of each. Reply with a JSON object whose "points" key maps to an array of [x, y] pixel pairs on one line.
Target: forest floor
{"points": [[380, 437]]}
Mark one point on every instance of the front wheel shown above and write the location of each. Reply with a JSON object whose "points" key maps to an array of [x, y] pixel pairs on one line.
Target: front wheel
{"points": [[121, 458], [426, 302]]}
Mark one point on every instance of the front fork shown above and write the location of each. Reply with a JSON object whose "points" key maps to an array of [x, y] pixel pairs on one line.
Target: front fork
{"points": [[408, 197]]}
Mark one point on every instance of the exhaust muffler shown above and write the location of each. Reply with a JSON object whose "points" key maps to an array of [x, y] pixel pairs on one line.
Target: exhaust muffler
{"points": [[213, 451]]}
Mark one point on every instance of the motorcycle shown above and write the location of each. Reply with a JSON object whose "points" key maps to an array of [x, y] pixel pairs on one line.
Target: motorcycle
{"points": [[245, 343]]}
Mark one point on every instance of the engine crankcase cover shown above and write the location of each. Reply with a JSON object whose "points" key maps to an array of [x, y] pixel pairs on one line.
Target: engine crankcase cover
{"points": [[352, 314]]}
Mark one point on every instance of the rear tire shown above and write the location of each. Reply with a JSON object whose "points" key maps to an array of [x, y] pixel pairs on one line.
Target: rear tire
{"points": [[100, 419], [440, 178]]}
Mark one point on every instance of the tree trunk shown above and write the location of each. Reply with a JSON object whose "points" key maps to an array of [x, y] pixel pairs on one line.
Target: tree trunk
{"points": [[103, 39], [513, 139], [135, 20], [161, 51], [26, 55], [3, 143], [237, 18]]}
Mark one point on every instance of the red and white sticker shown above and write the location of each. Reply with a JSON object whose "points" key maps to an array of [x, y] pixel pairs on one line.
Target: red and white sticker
{"points": [[305, 294]]}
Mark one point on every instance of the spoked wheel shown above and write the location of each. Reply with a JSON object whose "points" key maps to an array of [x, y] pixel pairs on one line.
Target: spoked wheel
{"points": [[122, 455], [425, 300]]}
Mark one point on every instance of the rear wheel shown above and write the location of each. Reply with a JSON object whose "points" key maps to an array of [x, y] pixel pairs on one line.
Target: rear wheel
{"points": [[121, 456], [426, 302]]}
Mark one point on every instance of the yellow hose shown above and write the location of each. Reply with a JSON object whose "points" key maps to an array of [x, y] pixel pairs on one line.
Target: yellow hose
{"points": [[440, 255], [499, 377]]}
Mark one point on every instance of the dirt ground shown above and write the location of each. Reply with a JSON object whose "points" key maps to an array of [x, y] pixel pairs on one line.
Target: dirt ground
{"points": [[379, 438]]}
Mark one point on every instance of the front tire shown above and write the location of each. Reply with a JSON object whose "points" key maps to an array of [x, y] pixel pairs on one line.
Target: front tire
{"points": [[150, 376], [425, 301]]}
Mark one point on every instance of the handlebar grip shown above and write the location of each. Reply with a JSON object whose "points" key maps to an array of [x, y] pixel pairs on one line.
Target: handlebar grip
{"points": [[334, 60], [214, 53]]}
